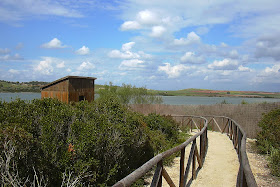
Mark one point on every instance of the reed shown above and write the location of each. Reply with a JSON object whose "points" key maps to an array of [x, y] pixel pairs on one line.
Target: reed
{"points": [[247, 115]]}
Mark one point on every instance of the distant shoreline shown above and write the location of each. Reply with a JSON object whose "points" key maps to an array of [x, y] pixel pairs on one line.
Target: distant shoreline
{"points": [[35, 87]]}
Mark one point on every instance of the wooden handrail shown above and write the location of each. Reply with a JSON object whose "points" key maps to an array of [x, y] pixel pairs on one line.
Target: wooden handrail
{"points": [[236, 134], [238, 137], [158, 160]]}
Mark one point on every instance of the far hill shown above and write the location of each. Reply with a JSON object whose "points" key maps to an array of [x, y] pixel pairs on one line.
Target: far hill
{"points": [[8, 86], [34, 86], [217, 93]]}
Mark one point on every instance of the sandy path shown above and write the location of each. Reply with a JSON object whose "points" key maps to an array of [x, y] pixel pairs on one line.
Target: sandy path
{"points": [[221, 164], [220, 167]]}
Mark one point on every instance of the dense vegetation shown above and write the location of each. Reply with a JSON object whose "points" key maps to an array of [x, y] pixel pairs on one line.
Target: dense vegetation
{"points": [[52, 143], [128, 94], [268, 140], [33, 86]]}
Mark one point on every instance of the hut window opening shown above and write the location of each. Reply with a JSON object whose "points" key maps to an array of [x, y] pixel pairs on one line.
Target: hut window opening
{"points": [[81, 98]]}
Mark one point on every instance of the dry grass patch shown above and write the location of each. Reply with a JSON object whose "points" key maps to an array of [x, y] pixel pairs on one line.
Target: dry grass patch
{"points": [[247, 115]]}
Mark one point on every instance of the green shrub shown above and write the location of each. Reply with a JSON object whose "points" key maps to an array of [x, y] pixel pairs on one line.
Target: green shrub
{"points": [[128, 94], [243, 102], [274, 161], [268, 139], [270, 131], [98, 142]]}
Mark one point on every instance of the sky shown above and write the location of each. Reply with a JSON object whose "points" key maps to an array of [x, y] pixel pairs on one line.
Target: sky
{"points": [[158, 44]]}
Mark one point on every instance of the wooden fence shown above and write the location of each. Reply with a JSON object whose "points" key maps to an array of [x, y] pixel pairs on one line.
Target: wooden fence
{"points": [[238, 137], [219, 123], [194, 157]]}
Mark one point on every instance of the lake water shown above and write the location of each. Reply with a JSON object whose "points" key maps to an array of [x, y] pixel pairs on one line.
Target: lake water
{"points": [[170, 100]]}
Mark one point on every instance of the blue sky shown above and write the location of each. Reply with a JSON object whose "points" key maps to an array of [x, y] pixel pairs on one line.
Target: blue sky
{"points": [[160, 44]]}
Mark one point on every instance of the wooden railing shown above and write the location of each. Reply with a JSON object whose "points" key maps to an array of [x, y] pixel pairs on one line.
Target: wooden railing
{"points": [[238, 136], [218, 123], [194, 157]]}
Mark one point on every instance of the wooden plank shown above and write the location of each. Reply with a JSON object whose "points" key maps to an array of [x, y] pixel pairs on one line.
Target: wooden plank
{"points": [[236, 138], [189, 121], [198, 157], [195, 124], [182, 167], [210, 122], [167, 178], [217, 124], [201, 146], [189, 164], [194, 167], [157, 176], [230, 134], [225, 126]]}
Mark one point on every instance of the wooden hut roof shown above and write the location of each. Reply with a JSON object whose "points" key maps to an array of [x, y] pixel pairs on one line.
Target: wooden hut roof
{"points": [[65, 78]]}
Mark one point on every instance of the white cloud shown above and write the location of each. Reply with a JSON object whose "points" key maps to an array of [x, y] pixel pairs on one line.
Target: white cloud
{"points": [[206, 78], [157, 31], [192, 38], [143, 19], [13, 11], [202, 30], [244, 69], [152, 77], [126, 53], [130, 25], [226, 64], [9, 57], [224, 44], [85, 66], [61, 65], [13, 71], [19, 46], [246, 17], [83, 51], [269, 75], [144, 55], [45, 66], [127, 46], [123, 55], [132, 64], [233, 54], [272, 70], [173, 71], [189, 57], [147, 17], [54, 43], [268, 46], [4, 51]]}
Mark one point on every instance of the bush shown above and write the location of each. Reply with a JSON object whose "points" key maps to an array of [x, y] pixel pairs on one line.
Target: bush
{"points": [[128, 94], [268, 139], [274, 161], [270, 133], [98, 143]]}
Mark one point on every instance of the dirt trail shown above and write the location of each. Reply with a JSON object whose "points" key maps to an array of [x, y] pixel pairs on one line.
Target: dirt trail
{"points": [[221, 164], [220, 167], [259, 166]]}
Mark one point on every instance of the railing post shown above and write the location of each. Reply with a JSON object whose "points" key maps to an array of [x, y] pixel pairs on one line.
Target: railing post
{"points": [[182, 167], [194, 162], [191, 124], [157, 179], [201, 139]]}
